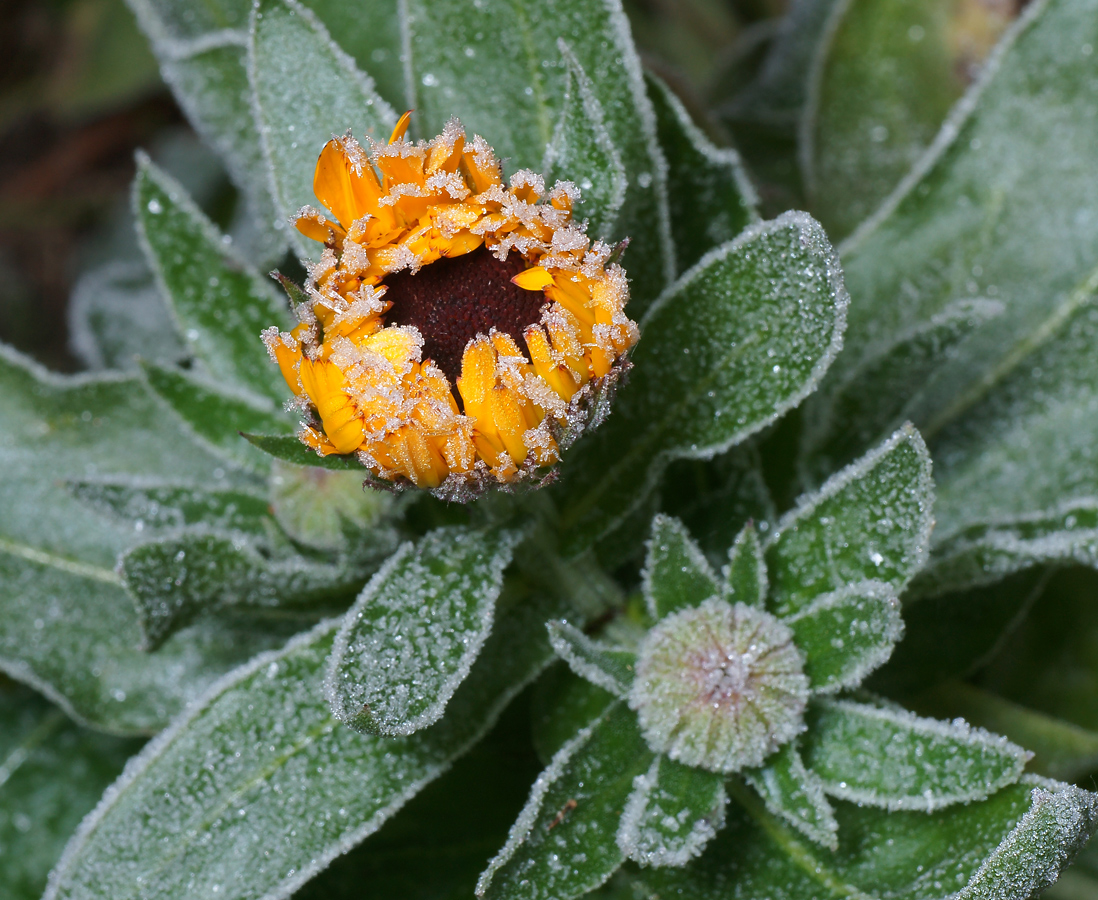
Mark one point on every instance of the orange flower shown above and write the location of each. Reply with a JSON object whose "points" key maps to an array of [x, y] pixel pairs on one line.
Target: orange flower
{"points": [[459, 333]]}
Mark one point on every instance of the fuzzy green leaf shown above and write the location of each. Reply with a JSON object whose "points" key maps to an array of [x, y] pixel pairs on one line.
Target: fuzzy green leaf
{"points": [[563, 842], [854, 418], [887, 757], [305, 89], [676, 575], [1010, 420], [157, 507], [872, 520], [51, 774], [673, 812], [745, 572], [416, 629], [582, 152], [289, 449], [67, 625], [846, 634], [219, 303], [738, 340], [884, 78], [709, 196], [214, 415], [1009, 847], [563, 703], [496, 66], [261, 771], [795, 794], [177, 579], [610, 668]]}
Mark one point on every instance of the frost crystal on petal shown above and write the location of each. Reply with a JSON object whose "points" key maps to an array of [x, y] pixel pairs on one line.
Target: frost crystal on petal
{"points": [[719, 686]]}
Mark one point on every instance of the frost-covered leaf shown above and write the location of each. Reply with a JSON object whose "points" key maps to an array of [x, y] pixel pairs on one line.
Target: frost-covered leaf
{"points": [[1010, 420], [562, 704], [884, 77], [563, 842], [745, 571], [305, 90], [738, 340], [582, 151], [883, 756], [497, 67], [67, 626], [116, 314], [411, 637], [214, 415], [369, 30], [219, 303], [611, 668], [795, 794], [672, 813], [872, 520], [709, 196], [289, 449], [1008, 847], [176, 579], [202, 55], [846, 634], [872, 399], [160, 506], [985, 553], [317, 507], [51, 774], [258, 786], [676, 575]]}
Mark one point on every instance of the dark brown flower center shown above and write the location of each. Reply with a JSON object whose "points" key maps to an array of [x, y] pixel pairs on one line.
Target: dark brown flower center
{"points": [[454, 299]]}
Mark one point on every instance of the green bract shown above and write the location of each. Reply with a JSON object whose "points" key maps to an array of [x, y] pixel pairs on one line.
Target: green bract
{"points": [[809, 616]]}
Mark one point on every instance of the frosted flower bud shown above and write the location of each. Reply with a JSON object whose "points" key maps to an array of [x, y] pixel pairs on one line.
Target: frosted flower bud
{"points": [[720, 687]]}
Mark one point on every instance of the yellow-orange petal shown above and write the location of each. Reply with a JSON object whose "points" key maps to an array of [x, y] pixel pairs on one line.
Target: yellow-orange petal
{"points": [[401, 127], [535, 278]]}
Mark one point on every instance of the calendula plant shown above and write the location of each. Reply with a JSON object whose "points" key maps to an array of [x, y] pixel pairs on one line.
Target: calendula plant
{"points": [[566, 516]]}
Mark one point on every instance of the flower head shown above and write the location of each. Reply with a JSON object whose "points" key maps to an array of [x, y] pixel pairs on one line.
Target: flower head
{"points": [[459, 332], [719, 686]]}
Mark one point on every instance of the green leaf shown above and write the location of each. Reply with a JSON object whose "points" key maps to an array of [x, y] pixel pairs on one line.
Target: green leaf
{"points": [[582, 152], [202, 55], [873, 398], [610, 668], [172, 506], [497, 68], [709, 195], [846, 634], [795, 794], [672, 813], [1060, 749], [745, 573], [563, 842], [872, 520], [260, 771], [305, 90], [51, 774], [1009, 847], [885, 756], [1010, 420], [67, 625], [414, 632], [289, 449], [317, 507], [676, 575], [213, 415], [737, 341], [219, 303], [884, 78], [175, 580], [562, 704]]}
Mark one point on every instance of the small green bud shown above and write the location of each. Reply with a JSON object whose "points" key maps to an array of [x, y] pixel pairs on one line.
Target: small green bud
{"points": [[719, 686]]}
